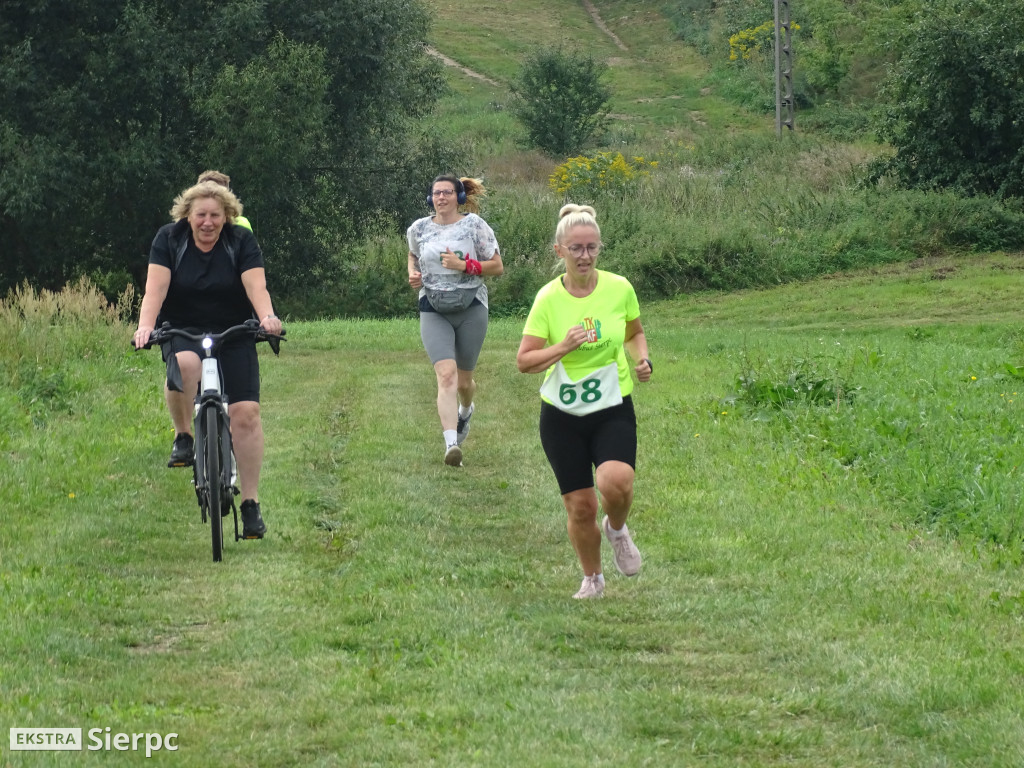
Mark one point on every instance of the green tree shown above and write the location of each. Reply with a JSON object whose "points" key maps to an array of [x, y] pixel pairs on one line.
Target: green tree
{"points": [[953, 104], [560, 100], [108, 109]]}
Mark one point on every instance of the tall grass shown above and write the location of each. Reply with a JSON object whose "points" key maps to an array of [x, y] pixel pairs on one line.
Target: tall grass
{"points": [[723, 214], [50, 342], [836, 400]]}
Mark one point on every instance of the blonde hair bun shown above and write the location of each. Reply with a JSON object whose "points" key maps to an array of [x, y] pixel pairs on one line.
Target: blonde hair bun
{"points": [[570, 208]]}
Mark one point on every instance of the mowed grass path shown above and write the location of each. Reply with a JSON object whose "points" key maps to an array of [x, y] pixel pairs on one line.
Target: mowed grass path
{"points": [[790, 611]]}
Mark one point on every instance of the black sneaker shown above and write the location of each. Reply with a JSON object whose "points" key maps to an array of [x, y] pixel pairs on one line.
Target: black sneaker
{"points": [[252, 523], [183, 452]]}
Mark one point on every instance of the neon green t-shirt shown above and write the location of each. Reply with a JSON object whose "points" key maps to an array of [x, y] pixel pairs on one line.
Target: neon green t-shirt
{"points": [[604, 313]]}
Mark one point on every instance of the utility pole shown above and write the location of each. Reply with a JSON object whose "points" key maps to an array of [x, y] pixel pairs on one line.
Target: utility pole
{"points": [[783, 68]]}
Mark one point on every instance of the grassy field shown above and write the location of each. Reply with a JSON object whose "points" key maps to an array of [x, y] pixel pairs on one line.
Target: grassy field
{"points": [[806, 598]]}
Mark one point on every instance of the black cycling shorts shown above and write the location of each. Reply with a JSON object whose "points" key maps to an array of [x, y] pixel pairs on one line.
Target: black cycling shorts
{"points": [[239, 366], [575, 445]]}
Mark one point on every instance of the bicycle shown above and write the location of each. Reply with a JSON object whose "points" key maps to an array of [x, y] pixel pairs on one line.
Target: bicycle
{"points": [[213, 467]]}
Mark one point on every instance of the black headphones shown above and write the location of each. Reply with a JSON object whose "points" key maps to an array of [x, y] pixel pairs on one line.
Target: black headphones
{"points": [[460, 192]]}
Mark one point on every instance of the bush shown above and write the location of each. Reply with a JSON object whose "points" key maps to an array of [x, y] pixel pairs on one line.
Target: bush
{"points": [[368, 279], [952, 104], [747, 42], [560, 100], [585, 178]]}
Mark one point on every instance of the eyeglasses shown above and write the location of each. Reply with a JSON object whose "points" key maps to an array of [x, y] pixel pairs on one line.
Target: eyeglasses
{"points": [[443, 192], [577, 250]]}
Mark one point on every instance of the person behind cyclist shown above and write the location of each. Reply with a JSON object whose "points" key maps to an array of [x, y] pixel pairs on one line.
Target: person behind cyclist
{"points": [[206, 273], [449, 254], [579, 330], [225, 181]]}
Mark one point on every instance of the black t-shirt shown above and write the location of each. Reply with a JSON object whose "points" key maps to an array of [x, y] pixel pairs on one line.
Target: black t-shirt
{"points": [[206, 291]]}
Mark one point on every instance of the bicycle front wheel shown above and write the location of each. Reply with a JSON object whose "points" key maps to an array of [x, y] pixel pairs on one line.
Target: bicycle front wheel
{"points": [[213, 481]]}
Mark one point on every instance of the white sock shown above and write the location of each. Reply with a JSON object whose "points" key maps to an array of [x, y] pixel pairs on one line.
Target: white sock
{"points": [[464, 410], [613, 533], [451, 437]]}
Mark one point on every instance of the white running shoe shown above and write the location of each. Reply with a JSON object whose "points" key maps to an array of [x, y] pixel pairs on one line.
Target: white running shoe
{"points": [[453, 456], [627, 556], [462, 429], [591, 587]]}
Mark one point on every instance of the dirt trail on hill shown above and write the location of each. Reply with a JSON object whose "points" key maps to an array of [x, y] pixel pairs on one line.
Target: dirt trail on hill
{"points": [[464, 70], [591, 10], [601, 25]]}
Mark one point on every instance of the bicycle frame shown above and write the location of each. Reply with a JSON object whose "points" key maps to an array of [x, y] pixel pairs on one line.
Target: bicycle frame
{"points": [[214, 470], [214, 467]]}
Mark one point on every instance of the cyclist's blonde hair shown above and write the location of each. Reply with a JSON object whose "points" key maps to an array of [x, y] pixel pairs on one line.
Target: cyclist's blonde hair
{"points": [[208, 189]]}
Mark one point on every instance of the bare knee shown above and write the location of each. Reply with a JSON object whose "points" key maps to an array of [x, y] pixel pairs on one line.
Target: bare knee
{"points": [[191, 371], [245, 418], [466, 382], [581, 506], [615, 482], [447, 375]]}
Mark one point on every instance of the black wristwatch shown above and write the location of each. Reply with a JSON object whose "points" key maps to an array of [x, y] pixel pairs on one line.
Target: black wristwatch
{"points": [[649, 363]]}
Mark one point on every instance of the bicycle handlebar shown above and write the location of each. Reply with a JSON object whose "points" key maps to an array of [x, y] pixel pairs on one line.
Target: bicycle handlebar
{"points": [[250, 327]]}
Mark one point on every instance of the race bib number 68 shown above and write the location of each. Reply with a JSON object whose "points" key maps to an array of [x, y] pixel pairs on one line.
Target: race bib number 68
{"points": [[594, 392]]}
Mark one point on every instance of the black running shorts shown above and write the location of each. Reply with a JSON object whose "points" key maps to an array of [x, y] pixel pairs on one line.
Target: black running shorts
{"points": [[239, 366], [575, 445]]}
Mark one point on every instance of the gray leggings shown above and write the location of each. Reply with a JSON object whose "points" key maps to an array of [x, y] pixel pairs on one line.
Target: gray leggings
{"points": [[458, 336]]}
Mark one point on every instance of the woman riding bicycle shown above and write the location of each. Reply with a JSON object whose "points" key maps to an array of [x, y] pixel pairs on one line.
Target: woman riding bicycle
{"points": [[206, 274]]}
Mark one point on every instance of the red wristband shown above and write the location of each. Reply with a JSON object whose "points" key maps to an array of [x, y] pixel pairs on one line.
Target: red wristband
{"points": [[473, 267]]}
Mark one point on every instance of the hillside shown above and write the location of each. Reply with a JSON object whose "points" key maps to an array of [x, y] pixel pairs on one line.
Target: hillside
{"points": [[657, 81]]}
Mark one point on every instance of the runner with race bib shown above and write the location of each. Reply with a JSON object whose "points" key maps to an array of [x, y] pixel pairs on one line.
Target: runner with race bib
{"points": [[579, 331]]}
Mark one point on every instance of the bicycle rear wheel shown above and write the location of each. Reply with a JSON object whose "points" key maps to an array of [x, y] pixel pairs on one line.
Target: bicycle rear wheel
{"points": [[213, 482]]}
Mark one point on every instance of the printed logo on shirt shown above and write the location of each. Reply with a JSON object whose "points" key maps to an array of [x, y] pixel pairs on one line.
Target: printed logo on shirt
{"points": [[593, 329]]}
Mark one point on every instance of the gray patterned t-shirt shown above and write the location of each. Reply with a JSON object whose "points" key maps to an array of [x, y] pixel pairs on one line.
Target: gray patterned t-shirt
{"points": [[469, 236]]}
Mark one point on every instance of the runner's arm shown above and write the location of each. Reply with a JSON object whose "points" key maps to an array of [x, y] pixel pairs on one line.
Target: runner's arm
{"points": [[415, 277], [534, 357], [493, 267], [636, 346]]}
